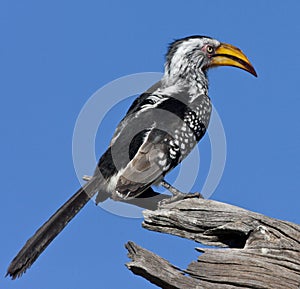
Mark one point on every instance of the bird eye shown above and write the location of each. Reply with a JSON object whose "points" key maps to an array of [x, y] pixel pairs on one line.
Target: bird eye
{"points": [[209, 49]]}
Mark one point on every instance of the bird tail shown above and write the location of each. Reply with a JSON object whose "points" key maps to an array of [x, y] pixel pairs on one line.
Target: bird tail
{"points": [[47, 232]]}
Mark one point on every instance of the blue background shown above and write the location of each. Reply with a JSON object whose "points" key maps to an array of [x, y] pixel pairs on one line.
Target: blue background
{"points": [[54, 55]]}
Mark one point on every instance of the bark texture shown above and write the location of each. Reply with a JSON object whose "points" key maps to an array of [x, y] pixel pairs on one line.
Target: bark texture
{"points": [[255, 251]]}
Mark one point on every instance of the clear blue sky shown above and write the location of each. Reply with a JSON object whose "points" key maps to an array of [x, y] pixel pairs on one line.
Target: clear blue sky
{"points": [[55, 55]]}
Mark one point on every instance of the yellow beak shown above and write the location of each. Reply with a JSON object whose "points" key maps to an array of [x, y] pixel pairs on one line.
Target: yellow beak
{"points": [[229, 55]]}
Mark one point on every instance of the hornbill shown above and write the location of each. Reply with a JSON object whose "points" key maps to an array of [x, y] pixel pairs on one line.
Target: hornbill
{"points": [[159, 130]]}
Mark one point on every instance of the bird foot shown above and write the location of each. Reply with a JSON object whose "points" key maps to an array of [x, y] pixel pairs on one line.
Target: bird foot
{"points": [[177, 195]]}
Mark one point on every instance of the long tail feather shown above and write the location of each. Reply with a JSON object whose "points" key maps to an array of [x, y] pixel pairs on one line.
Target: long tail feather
{"points": [[47, 232]]}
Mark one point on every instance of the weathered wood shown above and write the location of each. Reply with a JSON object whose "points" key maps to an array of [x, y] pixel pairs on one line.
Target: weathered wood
{"points": [[156, 269], [261, 252]]}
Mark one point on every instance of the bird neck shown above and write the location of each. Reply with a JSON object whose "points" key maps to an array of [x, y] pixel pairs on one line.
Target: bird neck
{"points": [[185, 68], [197, 83]]}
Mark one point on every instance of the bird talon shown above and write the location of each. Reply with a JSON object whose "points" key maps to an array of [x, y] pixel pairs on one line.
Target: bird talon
{"points": [[178, 197]]}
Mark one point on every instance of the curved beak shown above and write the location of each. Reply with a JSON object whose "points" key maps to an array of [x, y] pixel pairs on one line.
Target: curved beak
{"points": [[229, 55]]}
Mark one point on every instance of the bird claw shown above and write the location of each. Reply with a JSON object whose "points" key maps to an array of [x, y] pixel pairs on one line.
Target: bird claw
{"points": [[178, 197]]}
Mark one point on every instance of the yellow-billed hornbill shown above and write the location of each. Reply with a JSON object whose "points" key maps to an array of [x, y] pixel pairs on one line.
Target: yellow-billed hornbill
{"points": [[159, 130]]}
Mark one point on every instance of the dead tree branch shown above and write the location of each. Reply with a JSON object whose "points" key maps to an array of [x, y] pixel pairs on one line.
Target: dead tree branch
{"points": [[261, 252]]}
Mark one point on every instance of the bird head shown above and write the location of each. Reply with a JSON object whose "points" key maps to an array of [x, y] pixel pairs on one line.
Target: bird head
{"points": [[193, 56]]}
